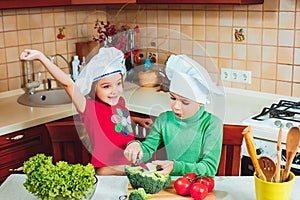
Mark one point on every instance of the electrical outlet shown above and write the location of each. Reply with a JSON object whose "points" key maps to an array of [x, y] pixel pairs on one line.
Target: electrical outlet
{"points": [[245, 77], [226, 74], [234, 75]]}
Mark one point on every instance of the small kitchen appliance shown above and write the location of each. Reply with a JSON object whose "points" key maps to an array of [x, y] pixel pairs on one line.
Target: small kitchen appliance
{"points": [[265, 127]]}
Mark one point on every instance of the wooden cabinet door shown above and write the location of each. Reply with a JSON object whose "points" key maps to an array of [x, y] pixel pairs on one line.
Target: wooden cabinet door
{"points": [[32, 3], [15, 148], [87, 2], [203, 1]]}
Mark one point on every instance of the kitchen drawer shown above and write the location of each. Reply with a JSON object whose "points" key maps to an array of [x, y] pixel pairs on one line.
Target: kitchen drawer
{"points": [[22, 139], [7, 169], [15, 148]]}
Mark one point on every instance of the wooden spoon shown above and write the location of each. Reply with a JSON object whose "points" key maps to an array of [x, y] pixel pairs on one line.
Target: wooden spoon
{"points": [[247, 132], [268, 167], [278, 166], [292, 145]]}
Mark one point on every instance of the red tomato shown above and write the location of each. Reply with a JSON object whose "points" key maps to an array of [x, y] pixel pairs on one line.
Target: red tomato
{"points": [[191, 176], [182, 186], [208, 181], [198, 191]]}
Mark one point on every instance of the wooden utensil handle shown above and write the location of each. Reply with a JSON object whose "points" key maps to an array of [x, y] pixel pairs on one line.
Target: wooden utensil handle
{"points": [[290, 157], [252, 153], [278, 166], [277, 172]]}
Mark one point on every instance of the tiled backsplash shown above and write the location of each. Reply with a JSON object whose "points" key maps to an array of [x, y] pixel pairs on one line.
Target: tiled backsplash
{"points": [[271, 49], [37, 28]]}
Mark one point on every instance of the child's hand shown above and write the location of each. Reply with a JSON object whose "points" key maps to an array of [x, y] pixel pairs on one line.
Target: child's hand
{"points": [[133, 152], [28, 54], [166, 165], [146, 122]]}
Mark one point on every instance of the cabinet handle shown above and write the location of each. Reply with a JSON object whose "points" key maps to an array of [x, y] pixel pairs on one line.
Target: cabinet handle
{"points": [[17, 137], [20, 169]]}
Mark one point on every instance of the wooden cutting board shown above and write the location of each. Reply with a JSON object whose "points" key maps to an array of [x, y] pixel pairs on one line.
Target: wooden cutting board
{"points": [[170, 193]]}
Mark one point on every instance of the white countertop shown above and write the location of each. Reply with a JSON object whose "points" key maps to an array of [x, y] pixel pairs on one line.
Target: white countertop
{"points": [[237, 105], [15, 116], [111, 187]]}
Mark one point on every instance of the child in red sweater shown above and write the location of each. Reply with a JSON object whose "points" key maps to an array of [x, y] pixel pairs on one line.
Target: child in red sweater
{"points": [[96, 95]]}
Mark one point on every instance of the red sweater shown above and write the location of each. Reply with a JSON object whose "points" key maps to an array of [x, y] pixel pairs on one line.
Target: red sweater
{"points": [[109, 128]]}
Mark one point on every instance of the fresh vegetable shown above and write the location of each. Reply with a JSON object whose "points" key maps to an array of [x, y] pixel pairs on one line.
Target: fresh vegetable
{"points": [[48, 181], [194, 185], [208, 181], [139, 194], [151, 181], [182, 186], [198, 191], [191, 175]]}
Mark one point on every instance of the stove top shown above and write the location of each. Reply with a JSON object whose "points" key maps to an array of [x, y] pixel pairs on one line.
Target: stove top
{"points": [[282, 114], [265, 127]]}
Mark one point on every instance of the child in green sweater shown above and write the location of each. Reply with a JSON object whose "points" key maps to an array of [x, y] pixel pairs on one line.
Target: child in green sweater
{"points": [[192, 136]]}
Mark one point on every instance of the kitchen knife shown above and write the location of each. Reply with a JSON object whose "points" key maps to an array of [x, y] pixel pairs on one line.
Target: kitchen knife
{"points": [[147, 166], [247, 132]]}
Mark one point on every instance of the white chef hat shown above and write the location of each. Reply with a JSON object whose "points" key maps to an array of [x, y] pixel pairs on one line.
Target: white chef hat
{"points": [[189, 79], [108, 61]]}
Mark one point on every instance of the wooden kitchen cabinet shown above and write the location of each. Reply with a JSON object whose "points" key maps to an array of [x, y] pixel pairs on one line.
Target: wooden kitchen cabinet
{"points": [[94, 2], [203, 1], [86, 2], [17, 147], [31, 4], [7, 4]]}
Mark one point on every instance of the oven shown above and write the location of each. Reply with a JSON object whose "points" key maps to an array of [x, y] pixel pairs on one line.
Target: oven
{"points": [[265, 127]]}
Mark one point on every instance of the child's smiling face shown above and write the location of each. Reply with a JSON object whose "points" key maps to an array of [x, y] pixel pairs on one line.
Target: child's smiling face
{"points": [[182, 107], [110, 88]]}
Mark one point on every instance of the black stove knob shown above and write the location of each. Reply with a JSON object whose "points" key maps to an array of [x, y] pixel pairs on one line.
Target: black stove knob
{"points": [[259, 151]]}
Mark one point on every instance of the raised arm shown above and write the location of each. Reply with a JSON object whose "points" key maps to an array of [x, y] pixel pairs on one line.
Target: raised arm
{"points": [[77, 97]]}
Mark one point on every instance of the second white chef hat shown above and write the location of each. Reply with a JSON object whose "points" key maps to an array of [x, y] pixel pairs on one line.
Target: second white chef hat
{"points": [[189, 79]]}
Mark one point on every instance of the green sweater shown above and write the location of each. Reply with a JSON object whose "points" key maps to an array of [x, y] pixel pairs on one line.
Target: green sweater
{"points": [[194, 144]]}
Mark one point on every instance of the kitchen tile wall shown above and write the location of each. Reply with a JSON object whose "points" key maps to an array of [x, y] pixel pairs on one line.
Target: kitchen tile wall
{"points": [[271, 49], [37, 28]]}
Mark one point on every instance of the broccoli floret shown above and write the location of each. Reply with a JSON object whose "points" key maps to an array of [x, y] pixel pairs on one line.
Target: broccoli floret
{"points": [[139, 194], [151, 181]]}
